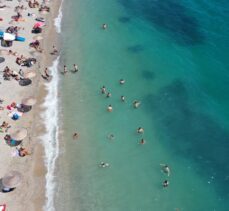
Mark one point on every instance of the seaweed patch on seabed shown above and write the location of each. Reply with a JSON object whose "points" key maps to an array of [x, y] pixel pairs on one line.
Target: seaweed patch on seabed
{"points": [[148, 75], [135, 48], [124, 19], [170, 17], [192, 135]]}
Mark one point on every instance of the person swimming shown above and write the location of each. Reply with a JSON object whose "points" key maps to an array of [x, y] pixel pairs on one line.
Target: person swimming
{"points": [[103, 90], [104, 165], [108, 95], [142, 141], [122, 81], [136, 103], [104, 26], [165, 169], [165, 184], [122, 98], [111, 136], [140, 130], [109, 108]]}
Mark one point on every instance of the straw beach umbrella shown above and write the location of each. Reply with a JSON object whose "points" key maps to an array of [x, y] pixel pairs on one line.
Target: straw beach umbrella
{"points": [[29, 101], [12, 179], [29, 75], [18, 133]]}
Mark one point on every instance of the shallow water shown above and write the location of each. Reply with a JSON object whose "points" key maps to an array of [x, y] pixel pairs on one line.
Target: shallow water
{"points": [[173, 56]]}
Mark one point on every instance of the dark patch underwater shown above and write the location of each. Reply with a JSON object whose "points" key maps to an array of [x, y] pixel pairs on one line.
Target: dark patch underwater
{"points": [[169, 16]]}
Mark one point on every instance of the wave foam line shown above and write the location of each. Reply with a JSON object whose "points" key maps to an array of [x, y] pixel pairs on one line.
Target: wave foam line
{"points": [[58, 19], [51, 137]]}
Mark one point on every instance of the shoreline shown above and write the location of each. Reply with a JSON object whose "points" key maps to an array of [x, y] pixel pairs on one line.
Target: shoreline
{"points": [[30, 195]]}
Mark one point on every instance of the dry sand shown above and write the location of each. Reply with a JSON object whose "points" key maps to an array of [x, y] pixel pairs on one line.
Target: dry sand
{"points": [[30, 195]]}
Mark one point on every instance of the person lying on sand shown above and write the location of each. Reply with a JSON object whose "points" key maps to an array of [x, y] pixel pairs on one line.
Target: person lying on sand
{"points": [[22, 152], [5, 126]]}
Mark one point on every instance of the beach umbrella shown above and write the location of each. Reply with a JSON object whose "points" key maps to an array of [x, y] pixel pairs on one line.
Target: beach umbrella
{"points": [[29, 101], [18, 134], [30, 75], [12, 179], [2, 59], [38, 25]]}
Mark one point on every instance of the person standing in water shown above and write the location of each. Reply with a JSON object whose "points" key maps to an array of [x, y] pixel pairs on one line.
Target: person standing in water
{"points": [[142, 141], [122, 98], [65, 69], [103, 90], [104, 26], [165, 184], [165, 169], [75, 68], [75, 135], [136, 103], [109, 108], [108, 94], [121, 81], [140, 130]]}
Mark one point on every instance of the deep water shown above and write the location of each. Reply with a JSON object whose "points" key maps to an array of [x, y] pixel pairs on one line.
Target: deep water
{"points": [[174, 57]]}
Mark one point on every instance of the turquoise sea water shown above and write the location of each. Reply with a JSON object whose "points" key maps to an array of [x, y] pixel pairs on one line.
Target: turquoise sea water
{"points": [[174, 57]]}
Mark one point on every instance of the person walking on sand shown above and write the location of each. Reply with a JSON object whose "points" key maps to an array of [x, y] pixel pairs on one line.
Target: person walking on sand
{"points": [[75, 68]]}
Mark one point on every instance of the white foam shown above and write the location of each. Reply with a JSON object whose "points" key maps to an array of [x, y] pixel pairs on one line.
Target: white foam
{"points": [[51, 137], [58, 19]]}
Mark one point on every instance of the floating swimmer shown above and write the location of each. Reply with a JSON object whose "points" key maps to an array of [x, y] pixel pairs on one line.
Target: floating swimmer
{"points": [[165, 184], [103, 90], [136, 104], [111, 136], [104, 26], [108, 94], [75, 135], [142, 141], [140, 130], [104, 165], [165, 169], [121, 81], [109, 108]]}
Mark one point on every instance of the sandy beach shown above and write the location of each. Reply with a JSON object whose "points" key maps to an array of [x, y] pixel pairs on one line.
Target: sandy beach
{"points": [[30, 194]]}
